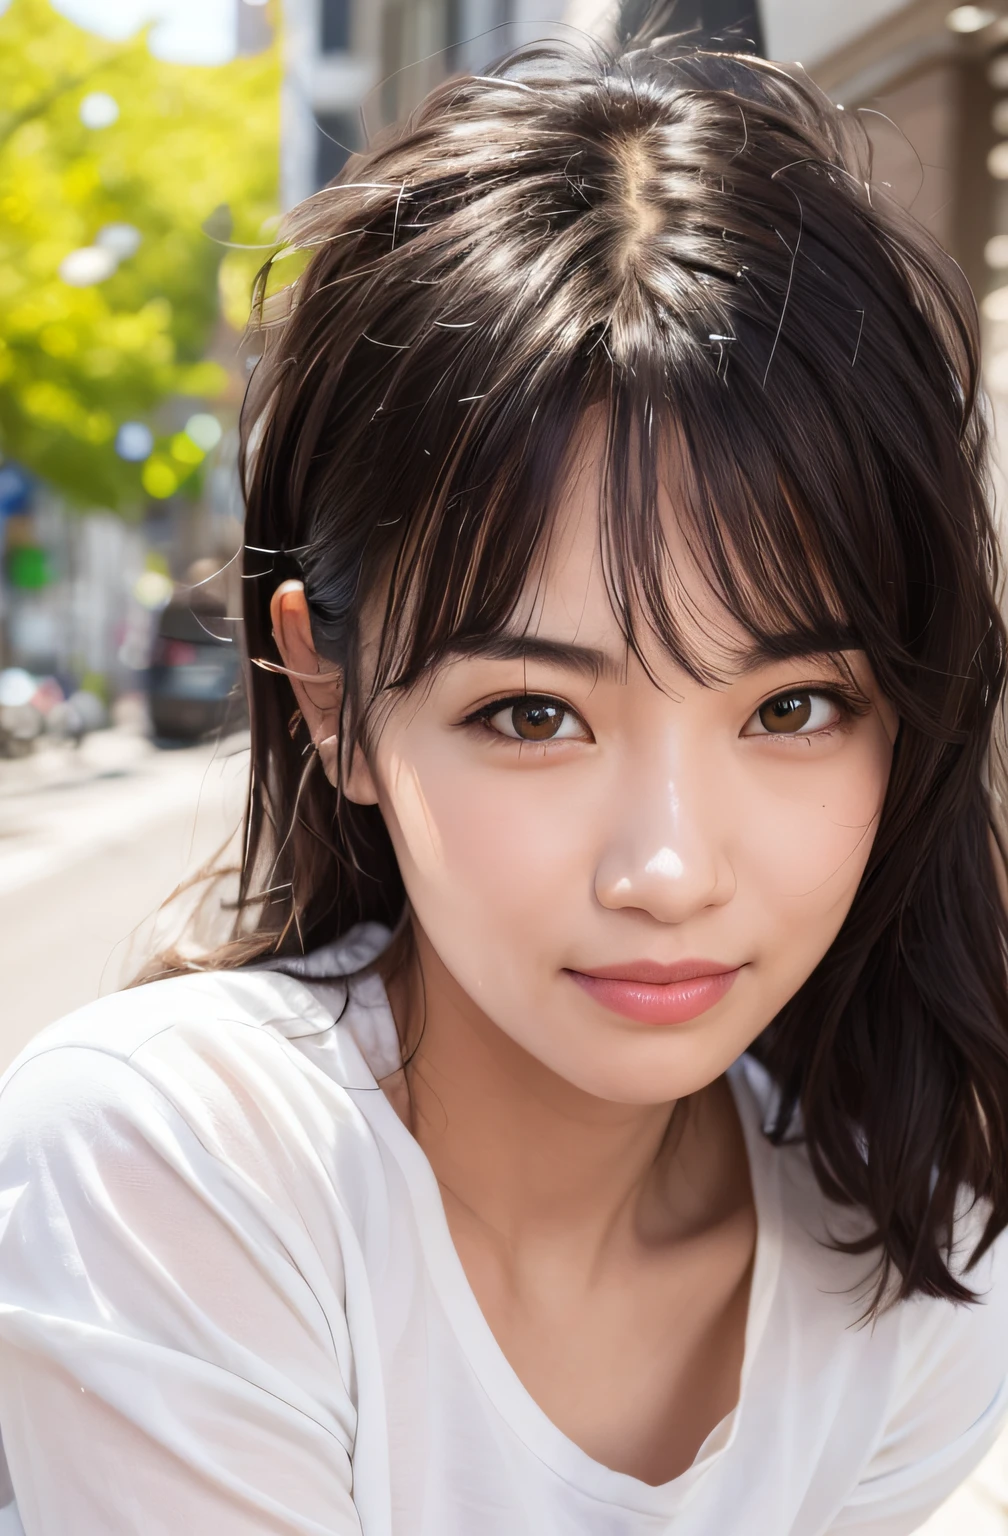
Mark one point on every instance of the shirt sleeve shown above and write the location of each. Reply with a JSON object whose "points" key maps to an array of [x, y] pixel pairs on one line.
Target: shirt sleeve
{"points": [[949, 1405], [173, 1349]]}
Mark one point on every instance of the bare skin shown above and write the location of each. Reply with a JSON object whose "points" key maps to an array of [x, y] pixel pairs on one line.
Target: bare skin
{"points": [[608, 1240]]}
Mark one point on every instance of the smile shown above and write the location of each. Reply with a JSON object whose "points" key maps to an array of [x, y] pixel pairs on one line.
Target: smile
{"points": [[656, 994]]}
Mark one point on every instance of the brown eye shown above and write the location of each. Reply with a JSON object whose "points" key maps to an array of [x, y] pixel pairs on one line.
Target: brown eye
{"points": [[788, 713], [803, 713], [537, 719]]}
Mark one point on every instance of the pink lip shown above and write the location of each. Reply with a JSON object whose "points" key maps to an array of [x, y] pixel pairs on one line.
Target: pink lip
{"points": [[658, 994]]}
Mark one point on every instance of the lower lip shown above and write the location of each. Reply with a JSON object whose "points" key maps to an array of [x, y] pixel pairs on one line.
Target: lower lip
{"points": [[648, 1002]]}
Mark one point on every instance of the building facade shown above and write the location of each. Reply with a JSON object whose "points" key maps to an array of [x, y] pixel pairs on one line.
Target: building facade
{"points": [[931, 81], [353, 66]]}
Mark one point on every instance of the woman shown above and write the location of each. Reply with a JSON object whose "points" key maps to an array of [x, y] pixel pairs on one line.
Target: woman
{"points": [[597, 1122]]}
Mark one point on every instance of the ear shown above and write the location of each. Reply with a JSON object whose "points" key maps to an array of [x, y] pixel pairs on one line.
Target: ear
{"points": [[318, 688]]}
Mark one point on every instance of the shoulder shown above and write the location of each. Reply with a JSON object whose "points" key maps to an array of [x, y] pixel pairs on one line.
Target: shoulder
{"points": [[953, 1357], [203, 1070], [939, 1369], [196, 1007], [948, 1393], [180, 1265]]}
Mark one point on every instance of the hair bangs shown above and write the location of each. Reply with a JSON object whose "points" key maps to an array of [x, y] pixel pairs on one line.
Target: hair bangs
{"points": [[763, 534], [728, 517]]}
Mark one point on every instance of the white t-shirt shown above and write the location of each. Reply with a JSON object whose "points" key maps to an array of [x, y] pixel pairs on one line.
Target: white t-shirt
{"points": [[230, 1304]]}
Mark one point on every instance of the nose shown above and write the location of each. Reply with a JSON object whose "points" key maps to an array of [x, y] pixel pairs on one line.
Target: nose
{"points": [[667, 852]]}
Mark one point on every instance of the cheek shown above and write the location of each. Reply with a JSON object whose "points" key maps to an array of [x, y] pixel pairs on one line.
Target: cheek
{"points": [[814, 824], [476, 845]]}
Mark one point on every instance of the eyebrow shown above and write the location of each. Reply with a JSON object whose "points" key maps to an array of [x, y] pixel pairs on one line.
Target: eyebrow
{"points": [[789, 645], [593, 662], [588, 660]]}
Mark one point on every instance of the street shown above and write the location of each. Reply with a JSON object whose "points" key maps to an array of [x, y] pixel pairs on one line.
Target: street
{"points": [[92, 841]]}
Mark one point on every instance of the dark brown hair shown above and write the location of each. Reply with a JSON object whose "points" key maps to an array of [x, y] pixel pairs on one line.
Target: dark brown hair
{"points": [[689, 243]]}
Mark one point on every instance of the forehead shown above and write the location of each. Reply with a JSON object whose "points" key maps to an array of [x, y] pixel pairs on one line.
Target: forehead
{"points": [[569, 595]]}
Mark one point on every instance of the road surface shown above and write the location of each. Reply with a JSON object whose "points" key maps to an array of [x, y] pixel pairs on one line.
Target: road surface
{"points": [[92, 841]]}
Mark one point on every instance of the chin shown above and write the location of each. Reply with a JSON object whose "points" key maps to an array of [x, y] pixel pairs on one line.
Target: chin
{"points": [[619, 1080]]}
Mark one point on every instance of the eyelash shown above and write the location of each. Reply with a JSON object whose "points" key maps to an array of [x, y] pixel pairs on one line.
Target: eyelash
{"points": [[850, 703]]}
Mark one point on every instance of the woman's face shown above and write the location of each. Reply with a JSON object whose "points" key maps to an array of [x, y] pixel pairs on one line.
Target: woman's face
{"points": [[630, 880]]}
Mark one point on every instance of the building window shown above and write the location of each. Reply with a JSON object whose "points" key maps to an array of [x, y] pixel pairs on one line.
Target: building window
{"points": [[335, 26], [336, 138]]}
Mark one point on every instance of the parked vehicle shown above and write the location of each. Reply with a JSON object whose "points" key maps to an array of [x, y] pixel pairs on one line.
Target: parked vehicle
{"points": [[31, 707], [194, 679]]}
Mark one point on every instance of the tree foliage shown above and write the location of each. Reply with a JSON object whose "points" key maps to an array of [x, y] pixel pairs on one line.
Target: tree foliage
{"points": [[193, 149]]}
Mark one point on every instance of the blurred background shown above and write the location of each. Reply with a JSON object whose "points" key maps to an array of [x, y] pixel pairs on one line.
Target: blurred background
{"points": [[148, 149]]}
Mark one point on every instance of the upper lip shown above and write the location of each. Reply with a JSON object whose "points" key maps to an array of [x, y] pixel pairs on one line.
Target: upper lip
{"points": [[653, 972]]}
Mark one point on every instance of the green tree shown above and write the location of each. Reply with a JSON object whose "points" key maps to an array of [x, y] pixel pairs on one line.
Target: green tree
{"points": [[178, 161]]}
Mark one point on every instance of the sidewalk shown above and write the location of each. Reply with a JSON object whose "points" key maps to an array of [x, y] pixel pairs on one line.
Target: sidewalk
{"points": [[92, 842], [63, 802]]}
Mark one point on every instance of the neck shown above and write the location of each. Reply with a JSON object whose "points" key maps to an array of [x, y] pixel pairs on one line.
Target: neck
{"points": [[526, 1154]]}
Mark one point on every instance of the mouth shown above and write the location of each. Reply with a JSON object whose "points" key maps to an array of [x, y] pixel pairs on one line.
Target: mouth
{"points": [[650, 993]]}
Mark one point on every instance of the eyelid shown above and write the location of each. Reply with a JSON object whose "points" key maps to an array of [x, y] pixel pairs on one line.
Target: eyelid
{"points": [[847, 695], [506, 700]]}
